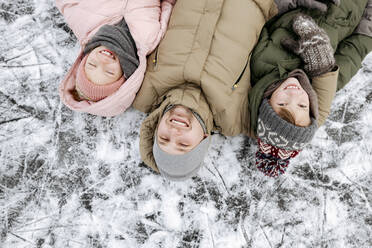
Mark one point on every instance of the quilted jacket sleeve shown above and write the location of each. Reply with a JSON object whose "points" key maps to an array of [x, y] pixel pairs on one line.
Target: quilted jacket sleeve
{"points": [[84, 16], [172, 2], [148, 21], [325, 88], [349, 56], [166, 11]]}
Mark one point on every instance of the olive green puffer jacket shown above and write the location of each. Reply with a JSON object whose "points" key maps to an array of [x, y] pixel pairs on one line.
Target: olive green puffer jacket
{"points": [[271, 62]]}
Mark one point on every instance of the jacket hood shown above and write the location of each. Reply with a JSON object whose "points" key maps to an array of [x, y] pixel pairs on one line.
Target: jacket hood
{"points": [[109, 106], [186, 95]]}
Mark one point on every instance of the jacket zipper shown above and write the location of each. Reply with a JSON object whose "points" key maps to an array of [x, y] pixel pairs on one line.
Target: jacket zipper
{"points": [[155, 60], [235, 85]]}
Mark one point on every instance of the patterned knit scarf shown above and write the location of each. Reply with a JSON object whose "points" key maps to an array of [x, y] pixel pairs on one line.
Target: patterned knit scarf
{"points": [[271, 160]]}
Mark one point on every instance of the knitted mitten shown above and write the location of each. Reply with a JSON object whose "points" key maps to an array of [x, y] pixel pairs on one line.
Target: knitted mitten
{"points": [[314, 46], [365, 24], [285, 5]]}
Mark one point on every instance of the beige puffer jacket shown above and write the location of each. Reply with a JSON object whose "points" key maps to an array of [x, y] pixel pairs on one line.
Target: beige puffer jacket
{"points": [[203, 63]]}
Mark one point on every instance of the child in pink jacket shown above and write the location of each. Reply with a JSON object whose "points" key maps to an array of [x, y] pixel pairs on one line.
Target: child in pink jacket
{"points": [[115, 37]]}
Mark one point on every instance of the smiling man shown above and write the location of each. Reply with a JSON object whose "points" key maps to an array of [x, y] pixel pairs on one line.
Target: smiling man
{"points": [[181, 136], [179, 130]]}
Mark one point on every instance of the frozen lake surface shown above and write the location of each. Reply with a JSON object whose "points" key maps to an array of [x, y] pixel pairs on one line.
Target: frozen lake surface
{"points": [[76, 180]]}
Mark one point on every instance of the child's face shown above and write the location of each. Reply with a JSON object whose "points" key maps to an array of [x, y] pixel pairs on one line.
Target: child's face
{"points": [[102, 66], [179, 131], [292, 97]]}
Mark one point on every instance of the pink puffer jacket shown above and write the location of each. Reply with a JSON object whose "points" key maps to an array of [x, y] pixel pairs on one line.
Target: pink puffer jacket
{"points": [[147, 21]]}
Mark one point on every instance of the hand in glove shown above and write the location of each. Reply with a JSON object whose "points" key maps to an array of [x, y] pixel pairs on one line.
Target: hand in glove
{"points": [[285, 5], [314, 46], [365, 24]]}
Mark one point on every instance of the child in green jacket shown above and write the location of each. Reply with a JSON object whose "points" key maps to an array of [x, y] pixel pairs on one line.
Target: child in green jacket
{"points": [[288, 106]]}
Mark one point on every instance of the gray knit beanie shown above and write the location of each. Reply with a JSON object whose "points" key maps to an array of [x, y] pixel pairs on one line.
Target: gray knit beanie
{"points": [[118, 39], [180, 167], [274, 130]]}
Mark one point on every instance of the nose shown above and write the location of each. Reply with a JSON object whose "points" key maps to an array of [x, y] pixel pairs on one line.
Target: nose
{"points": [[104, 59], [174, 130], [293, 92]]}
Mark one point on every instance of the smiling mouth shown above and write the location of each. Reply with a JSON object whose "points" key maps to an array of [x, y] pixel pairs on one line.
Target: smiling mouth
{"points": [[107, 53], [292, 87], [179, 122]]}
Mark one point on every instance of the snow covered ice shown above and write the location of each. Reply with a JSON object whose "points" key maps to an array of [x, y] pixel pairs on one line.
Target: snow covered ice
{"points": [[75, 180]]}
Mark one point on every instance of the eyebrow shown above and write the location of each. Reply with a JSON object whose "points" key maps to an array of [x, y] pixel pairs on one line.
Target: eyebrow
{"points": [[298, 107], [161, 142], [307, 109], [178, 149], [110, 75], [90, 68], [182, 150]]}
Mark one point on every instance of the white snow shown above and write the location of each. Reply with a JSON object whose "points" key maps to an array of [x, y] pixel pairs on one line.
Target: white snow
{"points": [[75, 180]]}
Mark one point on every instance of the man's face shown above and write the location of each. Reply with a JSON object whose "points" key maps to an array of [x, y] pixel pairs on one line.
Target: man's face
{"points": [[292, 97], [179, 131], [102, 66]]}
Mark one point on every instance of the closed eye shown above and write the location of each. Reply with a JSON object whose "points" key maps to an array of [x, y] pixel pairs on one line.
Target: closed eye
{"points": [[183, 145], [110, 73], [164, 139], [93, 65], [302, 106]]}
